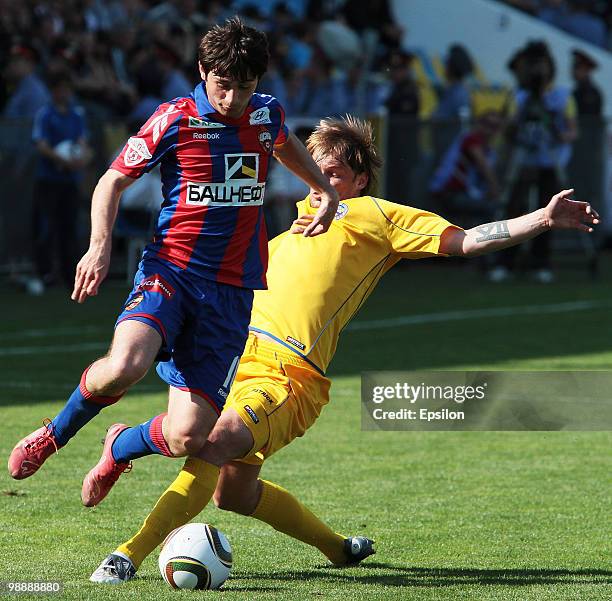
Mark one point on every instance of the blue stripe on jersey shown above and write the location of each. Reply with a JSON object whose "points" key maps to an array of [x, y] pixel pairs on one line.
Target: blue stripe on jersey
{"points": [[287, 345]]}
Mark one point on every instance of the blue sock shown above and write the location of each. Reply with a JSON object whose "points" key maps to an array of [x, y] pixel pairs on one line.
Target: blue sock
{"points": [[81, 408], [145, 439], [77, 412]]}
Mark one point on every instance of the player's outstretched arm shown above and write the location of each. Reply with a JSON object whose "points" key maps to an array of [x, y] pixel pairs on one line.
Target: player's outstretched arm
{"points": [[561, 213], [293, 155], [93, 267]]}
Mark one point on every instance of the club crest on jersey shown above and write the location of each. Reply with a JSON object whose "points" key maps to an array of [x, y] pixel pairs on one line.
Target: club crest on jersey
{"points": [[265, 139], [134, 302], [260, 116], [155, 283], [203, 124], [136, 152], [342, 211]]}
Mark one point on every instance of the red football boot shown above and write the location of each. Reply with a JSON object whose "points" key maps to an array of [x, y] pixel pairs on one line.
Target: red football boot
{"points": [[100, 479], [32, 451]]}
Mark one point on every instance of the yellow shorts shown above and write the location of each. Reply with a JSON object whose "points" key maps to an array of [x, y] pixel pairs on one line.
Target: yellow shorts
{"points": [[277, 394]]}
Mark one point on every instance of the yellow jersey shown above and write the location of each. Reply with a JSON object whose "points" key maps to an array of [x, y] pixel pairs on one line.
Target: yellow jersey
{"points": [[316, 285]]}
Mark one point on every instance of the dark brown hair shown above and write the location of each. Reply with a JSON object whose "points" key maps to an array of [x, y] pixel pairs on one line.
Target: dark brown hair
{"points": [[234, 50], [349, 140]]}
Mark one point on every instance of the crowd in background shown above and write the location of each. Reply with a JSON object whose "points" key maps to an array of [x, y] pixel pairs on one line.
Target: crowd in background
{"points": [[127, 56], [589, 20], [122, 58]]}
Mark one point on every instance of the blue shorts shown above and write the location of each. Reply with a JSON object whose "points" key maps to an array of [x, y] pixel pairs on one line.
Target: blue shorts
{"points": [[203, 325]]}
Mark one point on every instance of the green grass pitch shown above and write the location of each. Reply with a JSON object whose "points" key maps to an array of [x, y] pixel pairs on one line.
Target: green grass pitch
{"points": [[464, 515]]}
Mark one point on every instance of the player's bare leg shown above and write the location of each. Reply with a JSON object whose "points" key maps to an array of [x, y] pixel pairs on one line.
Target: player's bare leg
{"points": [[240, 490], [103, 383]]}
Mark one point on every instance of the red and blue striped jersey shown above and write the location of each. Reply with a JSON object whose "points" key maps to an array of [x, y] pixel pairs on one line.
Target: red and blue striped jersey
{"points": [[213, 170]]}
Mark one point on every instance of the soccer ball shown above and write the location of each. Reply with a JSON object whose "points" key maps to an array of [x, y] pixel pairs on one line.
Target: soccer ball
{"points": [[195, 556]]}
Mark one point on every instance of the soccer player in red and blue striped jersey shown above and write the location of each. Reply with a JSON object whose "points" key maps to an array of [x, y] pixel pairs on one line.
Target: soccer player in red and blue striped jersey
{"points": [[192, 296]]}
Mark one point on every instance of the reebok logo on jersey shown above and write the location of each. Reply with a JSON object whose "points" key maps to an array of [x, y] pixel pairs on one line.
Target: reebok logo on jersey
{"points": [[206, 136], [203, 124], [156, 283], [260, 116], [295, 342], [136, 152], [159, 124]]}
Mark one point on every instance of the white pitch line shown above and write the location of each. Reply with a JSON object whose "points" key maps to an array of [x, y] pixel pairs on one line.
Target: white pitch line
{"points": [[45, 350], [44, 332], [423, 318], [374, 324]]}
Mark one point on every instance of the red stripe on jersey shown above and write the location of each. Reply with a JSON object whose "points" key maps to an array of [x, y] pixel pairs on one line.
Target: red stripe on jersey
{"points": [[235, 257], [186, 223]]}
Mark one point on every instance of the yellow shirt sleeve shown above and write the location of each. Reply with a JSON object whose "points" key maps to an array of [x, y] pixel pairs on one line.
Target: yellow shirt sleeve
{"points": [[412, 233]]}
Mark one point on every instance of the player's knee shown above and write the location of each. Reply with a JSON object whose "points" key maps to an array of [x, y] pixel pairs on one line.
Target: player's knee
{"points": [[230, 439], [185, 442], [126, 369]]}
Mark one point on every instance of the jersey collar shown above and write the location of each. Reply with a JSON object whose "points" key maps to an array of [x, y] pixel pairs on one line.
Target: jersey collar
{"points": [[203, 105]]}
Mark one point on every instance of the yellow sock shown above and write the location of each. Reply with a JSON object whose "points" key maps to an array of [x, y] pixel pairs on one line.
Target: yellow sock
{"points": [[279, 508], [182, 501]]}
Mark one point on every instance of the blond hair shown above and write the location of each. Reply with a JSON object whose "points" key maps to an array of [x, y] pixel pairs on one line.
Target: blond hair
{"points": [[349, 140]]}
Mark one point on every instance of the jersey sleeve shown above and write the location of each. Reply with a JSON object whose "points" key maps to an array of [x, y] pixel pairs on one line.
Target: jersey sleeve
{"points": [[146, 149], [412, 233], [283, 130]]}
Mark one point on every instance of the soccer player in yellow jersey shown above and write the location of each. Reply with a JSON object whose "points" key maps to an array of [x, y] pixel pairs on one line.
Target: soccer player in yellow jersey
{"points": [[315, 286]]}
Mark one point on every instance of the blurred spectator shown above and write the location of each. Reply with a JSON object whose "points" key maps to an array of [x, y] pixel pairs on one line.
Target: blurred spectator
{"points": [[454, 98], [60, 137], [586, 93], [404, 95], [584, 24], [322, 91], [29, 92], [542, 131], [174, 82], [465, 183]]}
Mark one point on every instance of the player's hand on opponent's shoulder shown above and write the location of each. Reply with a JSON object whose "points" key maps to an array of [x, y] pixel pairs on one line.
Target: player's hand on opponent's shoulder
{"points": [[301, 223], [327, 203], [90, 272], [562, 212]]}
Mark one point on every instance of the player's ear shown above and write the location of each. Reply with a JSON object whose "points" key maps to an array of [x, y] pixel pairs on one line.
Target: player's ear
{"points": [[362, 181], [203, 73]]}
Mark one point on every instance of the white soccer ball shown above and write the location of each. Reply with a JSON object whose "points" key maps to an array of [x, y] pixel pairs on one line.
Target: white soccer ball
{"points": [[69, 150], [195, 556]]}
